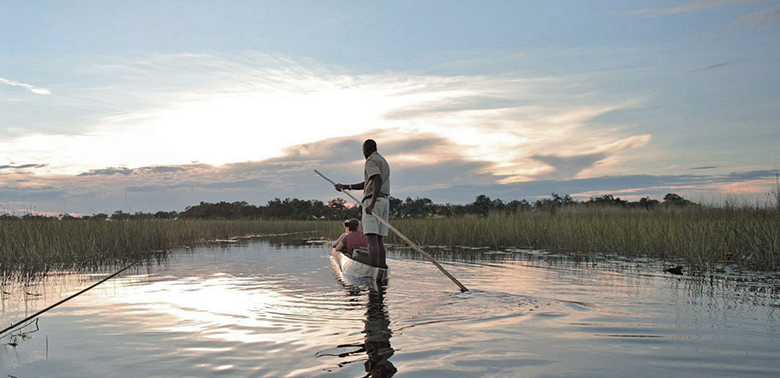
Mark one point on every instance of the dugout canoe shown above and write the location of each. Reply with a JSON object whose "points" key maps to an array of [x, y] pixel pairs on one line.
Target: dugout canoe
{"points": [[354, 268]]}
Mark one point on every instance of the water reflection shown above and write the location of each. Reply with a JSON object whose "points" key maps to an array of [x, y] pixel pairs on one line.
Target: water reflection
{"points": [[731, 283], [378, 335], [266, 309], [376, 329]]}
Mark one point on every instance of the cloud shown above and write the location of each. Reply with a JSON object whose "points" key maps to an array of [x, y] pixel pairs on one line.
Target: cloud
{"points": [[108, 172], [31, 88], [565, 167], [23, 166], [260, 126], [129, 171], [425, 165], [420, 163], [26, 195], [712, 67], [765, 18], [631, 187], [221, 109], [455, 104], [562, 167], [704, 167], [689, 7]]}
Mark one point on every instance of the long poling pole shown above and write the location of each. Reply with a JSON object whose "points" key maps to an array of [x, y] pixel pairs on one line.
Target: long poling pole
{"points": [[402, 236], [35, 315]]}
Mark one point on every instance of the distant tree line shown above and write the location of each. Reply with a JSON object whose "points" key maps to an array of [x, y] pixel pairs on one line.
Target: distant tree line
{"points": [[338, 208], [483, 205], [274, 209]]}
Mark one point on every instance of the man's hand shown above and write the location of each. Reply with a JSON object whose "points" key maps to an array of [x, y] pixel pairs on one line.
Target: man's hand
{"points": [[339, 187], [370, 209]]}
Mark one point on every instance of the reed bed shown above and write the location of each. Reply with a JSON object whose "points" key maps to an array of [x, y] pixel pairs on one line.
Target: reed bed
{"points": [[30, 247], [702, 238]]}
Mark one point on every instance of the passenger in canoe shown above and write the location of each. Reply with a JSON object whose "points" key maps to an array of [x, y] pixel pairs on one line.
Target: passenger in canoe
{"points": [[376, 189], [351, 238]]}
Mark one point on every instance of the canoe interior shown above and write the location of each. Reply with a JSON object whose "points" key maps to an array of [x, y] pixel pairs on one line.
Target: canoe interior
{"points": [[354, 268]]}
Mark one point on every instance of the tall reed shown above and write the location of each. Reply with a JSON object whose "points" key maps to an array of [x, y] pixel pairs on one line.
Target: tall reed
{"points": [[704, 238], [39, 245]]}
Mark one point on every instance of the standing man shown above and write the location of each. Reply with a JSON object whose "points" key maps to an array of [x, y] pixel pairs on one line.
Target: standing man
{"points": [[376, 189]]}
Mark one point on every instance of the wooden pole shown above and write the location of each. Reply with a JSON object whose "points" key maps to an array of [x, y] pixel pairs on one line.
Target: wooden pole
{"points": [[35, 315], [402, 236]]}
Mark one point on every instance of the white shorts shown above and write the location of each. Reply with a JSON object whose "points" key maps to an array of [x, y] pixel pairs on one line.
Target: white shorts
{"points": [[382, 209]]}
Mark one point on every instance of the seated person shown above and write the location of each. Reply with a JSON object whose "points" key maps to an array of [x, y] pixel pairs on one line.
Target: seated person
{"points": [[352, 238]]}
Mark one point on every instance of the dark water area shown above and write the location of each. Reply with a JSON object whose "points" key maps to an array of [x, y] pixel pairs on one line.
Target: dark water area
{"points": [[262, 309]]}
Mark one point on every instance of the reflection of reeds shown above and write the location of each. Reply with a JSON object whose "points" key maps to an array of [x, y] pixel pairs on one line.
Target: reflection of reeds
{"points": [[38, 245], [702, 237]]}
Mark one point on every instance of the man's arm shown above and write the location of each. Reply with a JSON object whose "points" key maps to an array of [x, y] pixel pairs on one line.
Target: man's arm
{"points": [[359, 186]]}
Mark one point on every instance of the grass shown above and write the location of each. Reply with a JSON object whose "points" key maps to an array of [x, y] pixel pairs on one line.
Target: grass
{"points": [[30, 247], [702, 238]]}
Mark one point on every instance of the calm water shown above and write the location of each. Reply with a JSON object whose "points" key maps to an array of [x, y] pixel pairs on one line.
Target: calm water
{"points": [[255, 309]]}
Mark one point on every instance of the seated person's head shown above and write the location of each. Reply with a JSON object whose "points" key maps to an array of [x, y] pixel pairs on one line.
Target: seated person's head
{"points": [[352, 224]]}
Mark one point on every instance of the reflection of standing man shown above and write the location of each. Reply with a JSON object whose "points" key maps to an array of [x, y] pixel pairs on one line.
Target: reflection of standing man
{"points": [[377, 332], [378, 336], [376, 189]]}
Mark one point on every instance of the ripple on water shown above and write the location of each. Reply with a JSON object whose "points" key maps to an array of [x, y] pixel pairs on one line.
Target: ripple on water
{"points": [[256, 310]]}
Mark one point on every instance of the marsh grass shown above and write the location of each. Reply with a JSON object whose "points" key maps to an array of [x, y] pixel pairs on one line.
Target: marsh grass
{"points": [[32, 247], [704, 238], [701, 237]]}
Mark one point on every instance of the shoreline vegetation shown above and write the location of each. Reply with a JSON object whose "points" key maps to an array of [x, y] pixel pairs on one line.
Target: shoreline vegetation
{"points": [[32, 247], [702, 238]]}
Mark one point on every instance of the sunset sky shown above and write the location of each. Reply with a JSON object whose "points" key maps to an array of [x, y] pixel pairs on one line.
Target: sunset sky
{"points": [[158, 105]]}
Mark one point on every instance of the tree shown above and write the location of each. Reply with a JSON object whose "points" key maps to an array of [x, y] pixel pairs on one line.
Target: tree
{"points": [[516, 206], [497, 205], [647, 203], [481, 205], [396, 205], [550, 205], [674, 200], [606, 200], [337, 204], [96, 217], [417, 208], [120, 215], [165, 215]]}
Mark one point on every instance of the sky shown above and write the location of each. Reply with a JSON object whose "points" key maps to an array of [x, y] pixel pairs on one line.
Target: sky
{"points": [[158, 105]]}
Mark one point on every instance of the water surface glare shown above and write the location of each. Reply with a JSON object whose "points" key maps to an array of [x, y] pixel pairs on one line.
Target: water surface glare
{"points": [[257, 309]]}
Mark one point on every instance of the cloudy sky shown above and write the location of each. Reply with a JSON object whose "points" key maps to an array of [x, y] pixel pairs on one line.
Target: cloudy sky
{"points": [[158, 105]]}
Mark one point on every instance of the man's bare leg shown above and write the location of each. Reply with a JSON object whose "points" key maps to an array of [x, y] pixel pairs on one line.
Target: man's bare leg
{"points": [[373, 249], [382, 258], [377, 254]]}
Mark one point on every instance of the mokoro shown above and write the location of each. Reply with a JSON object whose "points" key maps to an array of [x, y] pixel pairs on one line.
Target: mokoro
{"points": [[353, 268]]}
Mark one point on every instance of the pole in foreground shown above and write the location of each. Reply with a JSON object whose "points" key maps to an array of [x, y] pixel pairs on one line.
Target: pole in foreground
{"points": [[35, 315], [402, 236]]}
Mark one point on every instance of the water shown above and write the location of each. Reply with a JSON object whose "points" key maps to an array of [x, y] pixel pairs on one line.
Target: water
{"points": [[256, 309]]}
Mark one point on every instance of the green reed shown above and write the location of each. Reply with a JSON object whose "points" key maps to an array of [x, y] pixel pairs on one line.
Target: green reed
{"points": [[29, 247], [703, 238]]}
